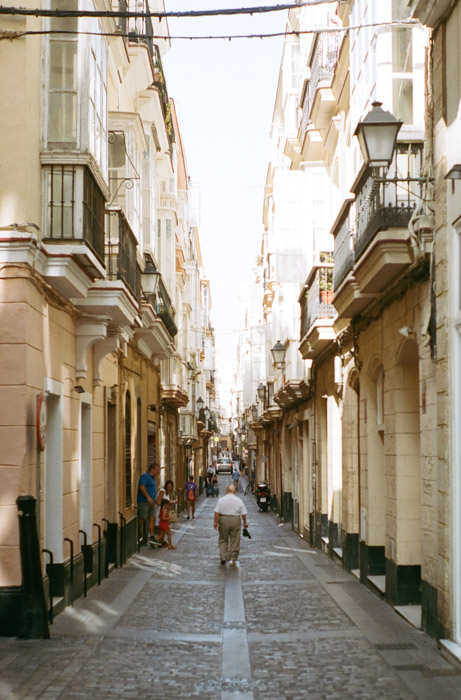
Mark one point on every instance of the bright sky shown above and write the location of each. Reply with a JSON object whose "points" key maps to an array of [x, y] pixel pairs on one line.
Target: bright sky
{"points": [[225, 94]]}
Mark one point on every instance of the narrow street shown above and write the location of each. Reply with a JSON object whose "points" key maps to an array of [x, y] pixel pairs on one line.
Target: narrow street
{"points": [[286, 623]]}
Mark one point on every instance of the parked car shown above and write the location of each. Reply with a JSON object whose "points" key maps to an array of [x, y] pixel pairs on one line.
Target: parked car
{"points": [[224, 465]]}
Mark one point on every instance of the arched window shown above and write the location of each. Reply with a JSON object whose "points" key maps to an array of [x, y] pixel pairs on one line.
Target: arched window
{"points": [[128, 495]]}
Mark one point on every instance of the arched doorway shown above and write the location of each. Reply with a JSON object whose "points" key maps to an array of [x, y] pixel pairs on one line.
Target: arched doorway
{"points": [[403, 476]]}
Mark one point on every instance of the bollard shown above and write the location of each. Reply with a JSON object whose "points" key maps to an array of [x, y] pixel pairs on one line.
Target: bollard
{"points": [[84, 550], [50, 585], [122, 538], [99, 552], [71, 584], [106, 562], [35, 616]]}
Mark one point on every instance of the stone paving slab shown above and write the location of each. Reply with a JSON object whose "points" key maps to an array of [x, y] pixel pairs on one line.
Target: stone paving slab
{"points": [[301, 628]]}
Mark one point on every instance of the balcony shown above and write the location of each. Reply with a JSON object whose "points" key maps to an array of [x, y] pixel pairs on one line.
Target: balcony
{"points": [[73, 229], [121, 260], [372, 240], [382, 243], [140, 29], [164, 309], [317, 310], [173, 389], [119, 294]]}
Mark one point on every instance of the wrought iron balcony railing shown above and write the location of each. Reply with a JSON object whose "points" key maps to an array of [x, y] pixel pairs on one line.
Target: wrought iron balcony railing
{"points": [[141, 29], [380, 205], [344, 249], [317, 302], [121, 259], [164, 309]]}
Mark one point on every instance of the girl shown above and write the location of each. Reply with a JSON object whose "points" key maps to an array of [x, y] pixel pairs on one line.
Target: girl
{"points": [[164, 523]]}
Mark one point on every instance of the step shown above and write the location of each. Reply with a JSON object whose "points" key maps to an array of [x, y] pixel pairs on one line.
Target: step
{"points": [[379, 582], [411, 613], [338, 552]]}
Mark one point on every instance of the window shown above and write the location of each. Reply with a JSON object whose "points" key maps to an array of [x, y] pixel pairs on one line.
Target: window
{"points": [[74, 206], [61, 183], [97, 101], [76, 82], [63, 77], [402, 65], [117, 166]]}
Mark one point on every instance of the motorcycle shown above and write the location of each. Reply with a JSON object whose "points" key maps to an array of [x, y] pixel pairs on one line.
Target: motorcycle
{"points": [[263, 495]]}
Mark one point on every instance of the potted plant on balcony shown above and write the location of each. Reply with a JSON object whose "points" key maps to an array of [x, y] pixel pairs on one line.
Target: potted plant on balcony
{"points": [[326, 285]]}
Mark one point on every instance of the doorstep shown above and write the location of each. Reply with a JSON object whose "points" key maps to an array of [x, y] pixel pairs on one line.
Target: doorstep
{"points": [[338, 552], [411, 613], [451, 651], [379, 582]]}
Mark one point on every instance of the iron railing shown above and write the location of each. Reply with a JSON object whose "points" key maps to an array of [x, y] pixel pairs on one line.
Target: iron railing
{"points": [[324, 60], [121, 259], [344, 250], [140, 29], [380, 205], [165, 310]]}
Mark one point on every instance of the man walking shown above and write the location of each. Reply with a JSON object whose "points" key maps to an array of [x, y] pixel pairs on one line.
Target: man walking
{"points": [[147, 493], [228, 512]]}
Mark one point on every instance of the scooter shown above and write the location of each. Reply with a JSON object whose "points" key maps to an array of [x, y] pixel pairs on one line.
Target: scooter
{"points": [[263, 495]]}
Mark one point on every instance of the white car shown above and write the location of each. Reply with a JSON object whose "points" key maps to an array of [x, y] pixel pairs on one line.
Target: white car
{"points": [[224, 465]]}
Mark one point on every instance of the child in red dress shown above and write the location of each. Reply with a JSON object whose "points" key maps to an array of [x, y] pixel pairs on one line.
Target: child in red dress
{"points": [[164, 523]]}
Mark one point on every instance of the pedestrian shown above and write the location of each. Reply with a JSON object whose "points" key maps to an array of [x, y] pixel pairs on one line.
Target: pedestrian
{"points": [[228, 512], [236, 475], [164, 523], [147, 494], [191, 491], [210, 469], [167, 491]]}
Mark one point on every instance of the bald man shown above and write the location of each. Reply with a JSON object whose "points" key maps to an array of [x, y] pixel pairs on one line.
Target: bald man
{"points": [[229, 510]]}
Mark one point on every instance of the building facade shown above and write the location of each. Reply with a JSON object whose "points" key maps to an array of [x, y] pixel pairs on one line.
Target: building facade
{"points": [[101, 339], [363, 453]]}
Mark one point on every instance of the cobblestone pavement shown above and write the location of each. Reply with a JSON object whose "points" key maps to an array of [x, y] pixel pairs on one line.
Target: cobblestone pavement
{"points": [[286, 623]]}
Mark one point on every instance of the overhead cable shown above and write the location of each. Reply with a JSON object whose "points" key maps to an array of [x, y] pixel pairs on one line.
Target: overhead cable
{"points": [[7, 34], [43, 12]]}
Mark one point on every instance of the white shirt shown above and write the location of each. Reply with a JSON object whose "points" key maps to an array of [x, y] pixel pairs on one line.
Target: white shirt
{"points": [[230, 504]]}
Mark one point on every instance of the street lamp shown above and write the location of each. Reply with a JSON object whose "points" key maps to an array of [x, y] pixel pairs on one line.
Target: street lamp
{"points": [[199, 403], [278, 353], [206, 412], [261, 392], [377, 135], [254, 412], [150, 278]]}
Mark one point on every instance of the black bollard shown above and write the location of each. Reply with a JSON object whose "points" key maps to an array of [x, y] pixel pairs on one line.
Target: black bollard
{"points": [[35, 614]]}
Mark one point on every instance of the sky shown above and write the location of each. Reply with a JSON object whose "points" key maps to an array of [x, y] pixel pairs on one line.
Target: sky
{"points": [[225, 93]]}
